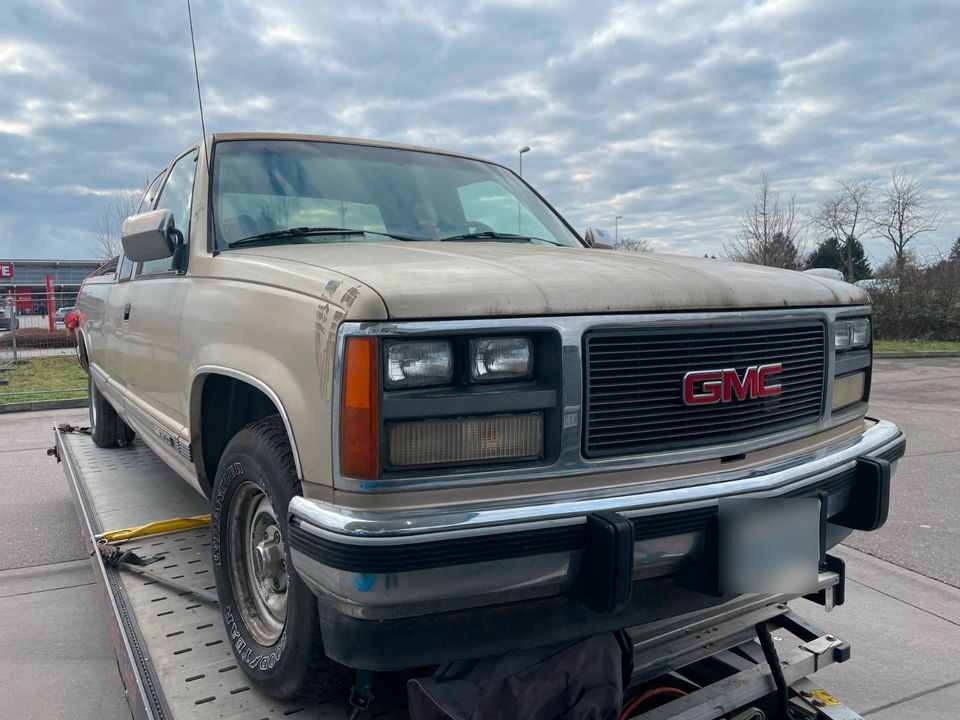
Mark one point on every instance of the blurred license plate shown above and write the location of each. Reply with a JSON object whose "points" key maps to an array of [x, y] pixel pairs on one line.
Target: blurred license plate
{"points": [[769, 545]]}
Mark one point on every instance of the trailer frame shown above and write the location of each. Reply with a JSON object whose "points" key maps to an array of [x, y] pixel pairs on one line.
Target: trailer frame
{"points": [[177, 662]]}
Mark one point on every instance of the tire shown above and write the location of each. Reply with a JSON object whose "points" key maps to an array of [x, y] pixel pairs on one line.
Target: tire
{"points": [[270, 615], [107, 429]]}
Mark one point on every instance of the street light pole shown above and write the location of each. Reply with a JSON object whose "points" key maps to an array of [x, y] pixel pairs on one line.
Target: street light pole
{"points": [[616, 229], [524, 149], [520, 152]]}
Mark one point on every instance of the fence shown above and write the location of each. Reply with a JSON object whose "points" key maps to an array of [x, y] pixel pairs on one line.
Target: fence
{"points": [[37, 357]]}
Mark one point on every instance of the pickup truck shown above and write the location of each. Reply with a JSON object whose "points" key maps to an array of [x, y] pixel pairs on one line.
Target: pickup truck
{"points": [[433, 423]]}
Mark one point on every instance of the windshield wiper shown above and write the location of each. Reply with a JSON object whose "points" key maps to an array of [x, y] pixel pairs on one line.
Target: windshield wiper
{"points": [[301, 232], [296, 232], [490, 235]]}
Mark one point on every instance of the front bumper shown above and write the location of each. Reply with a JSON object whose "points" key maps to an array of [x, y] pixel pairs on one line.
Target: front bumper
{"points": [[402, 566]]}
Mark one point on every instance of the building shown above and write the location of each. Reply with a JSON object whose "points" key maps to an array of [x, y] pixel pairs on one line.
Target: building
{"points": [[24, 282]]}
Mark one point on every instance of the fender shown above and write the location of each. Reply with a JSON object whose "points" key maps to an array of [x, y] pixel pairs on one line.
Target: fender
{"points": [[204, 370]]}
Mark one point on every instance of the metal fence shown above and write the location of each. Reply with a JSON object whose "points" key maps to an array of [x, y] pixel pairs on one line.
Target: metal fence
{"points": [[36, 347]]}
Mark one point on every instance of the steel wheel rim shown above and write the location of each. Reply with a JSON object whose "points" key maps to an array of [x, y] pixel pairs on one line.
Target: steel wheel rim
{"points": [[257, 563]]}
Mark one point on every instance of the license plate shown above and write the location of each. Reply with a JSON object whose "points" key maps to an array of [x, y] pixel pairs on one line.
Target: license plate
{"points": [[769, 545]]}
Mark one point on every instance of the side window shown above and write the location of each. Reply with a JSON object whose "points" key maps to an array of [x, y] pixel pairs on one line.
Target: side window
{"points": [[176, 196], [126, 268], [147, 201]]}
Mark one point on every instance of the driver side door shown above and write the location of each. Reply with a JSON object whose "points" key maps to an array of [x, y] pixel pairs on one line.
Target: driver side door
{"points": [[152, 314]]}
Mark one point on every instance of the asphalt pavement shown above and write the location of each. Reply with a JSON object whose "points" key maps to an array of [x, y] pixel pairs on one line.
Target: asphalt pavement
{"points": [[903, 597], [923, 532], [56, 654]]}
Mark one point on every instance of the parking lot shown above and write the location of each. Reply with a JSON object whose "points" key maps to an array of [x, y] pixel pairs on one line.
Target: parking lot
{"points": [[902, 613]]}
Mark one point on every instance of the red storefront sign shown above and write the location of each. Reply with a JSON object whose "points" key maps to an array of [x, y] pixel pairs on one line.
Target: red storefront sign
{"points": [[6, 271]]}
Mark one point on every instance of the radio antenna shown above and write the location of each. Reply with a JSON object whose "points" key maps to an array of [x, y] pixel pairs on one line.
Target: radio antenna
{"points": [[196, 72]]}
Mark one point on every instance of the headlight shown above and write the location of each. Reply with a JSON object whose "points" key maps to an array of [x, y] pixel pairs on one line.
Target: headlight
{"points": [[415, 364], [849, 334], [501, 358]]}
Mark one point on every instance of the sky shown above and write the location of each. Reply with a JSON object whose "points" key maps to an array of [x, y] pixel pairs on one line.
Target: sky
{"points": [[664, 113]]}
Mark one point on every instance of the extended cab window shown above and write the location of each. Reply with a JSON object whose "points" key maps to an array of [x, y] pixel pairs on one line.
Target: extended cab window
{"points": [[176, 196], [126, 268], [146, 202]]}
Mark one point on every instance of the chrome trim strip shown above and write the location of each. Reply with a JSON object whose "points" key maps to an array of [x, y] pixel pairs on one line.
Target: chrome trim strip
{"points": [[263, 387], [571, 330], [437, 523], [131, 411]]}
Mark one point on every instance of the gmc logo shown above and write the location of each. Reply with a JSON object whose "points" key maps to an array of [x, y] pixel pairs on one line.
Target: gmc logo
{"points": [[706, 387]]}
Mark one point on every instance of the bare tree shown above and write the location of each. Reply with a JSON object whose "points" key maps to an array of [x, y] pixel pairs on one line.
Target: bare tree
{"points": [[112, 212], [637, 245], [769, 232], [845, 217], [902, 215]]}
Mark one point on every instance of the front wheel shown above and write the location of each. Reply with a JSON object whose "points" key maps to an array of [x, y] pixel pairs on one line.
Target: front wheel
{"points": [[270, 615]]}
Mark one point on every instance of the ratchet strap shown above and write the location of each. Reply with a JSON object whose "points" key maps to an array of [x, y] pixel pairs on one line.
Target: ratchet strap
{"points": [[110, 546], [155, 528]]}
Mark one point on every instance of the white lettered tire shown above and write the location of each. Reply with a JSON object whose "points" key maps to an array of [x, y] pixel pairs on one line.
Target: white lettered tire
{"points": [[270, 616]]}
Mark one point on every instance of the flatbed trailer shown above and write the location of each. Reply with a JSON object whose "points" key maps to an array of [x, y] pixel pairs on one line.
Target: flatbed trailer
{"points": [[175, 659]]}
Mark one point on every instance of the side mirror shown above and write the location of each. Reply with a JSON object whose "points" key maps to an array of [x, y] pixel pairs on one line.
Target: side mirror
{"points": [[148, 236], [828, 273], [597, 238]]}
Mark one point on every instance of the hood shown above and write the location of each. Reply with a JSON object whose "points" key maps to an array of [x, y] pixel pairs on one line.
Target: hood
{"points": [[483, 279]]}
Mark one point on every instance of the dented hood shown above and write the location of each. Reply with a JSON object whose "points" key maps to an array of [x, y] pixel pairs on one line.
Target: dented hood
{"points": [[481, 279]]}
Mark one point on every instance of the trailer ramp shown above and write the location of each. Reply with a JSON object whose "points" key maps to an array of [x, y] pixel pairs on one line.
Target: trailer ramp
{"points": [[175, 658]]}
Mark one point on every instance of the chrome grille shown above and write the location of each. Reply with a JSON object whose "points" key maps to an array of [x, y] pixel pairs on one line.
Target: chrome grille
{"points": [[634, 385]]}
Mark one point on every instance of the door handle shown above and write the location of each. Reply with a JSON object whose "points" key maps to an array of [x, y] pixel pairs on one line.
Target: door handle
{"points": [[126, 312]]}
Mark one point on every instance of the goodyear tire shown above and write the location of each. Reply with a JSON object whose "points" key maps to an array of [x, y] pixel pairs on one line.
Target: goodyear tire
{"points": [[107, 429], [270, 615]]}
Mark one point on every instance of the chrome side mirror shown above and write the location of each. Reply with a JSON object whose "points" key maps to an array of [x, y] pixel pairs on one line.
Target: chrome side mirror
{"points": [[597, 238], [828, 273], [149, 236]]}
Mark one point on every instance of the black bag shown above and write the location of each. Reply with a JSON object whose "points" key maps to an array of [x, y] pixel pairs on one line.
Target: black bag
{"points": [[583, 680]]}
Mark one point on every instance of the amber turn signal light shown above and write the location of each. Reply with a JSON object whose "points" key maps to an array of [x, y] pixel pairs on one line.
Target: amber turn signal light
{"points": [[360, 410]]}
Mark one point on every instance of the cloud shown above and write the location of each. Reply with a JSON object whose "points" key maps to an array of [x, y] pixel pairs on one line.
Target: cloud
{"points": [[666, 114]]}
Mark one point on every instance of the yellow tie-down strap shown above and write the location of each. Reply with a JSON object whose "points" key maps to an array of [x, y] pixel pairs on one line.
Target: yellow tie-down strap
{"points": [[155, 528]]}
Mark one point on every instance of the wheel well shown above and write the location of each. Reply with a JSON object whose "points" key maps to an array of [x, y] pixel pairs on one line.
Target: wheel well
{"points": [[225, 407], [82, 357]]}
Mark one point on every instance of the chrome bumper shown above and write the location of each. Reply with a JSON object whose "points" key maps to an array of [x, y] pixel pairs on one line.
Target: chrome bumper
{"points": [[399, 564]]}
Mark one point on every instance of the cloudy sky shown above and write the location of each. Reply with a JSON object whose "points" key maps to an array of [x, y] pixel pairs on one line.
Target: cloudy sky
{"points": [[665, 113]]}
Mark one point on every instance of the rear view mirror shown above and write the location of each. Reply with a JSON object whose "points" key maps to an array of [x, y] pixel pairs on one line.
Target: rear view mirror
{"points": [[148, 236]]}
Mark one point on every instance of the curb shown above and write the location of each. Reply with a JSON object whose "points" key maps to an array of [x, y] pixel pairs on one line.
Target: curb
{"points": [[69, 403], [917, 354]]}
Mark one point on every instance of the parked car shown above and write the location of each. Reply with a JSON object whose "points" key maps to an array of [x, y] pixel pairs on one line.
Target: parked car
{"points": [[8, 322], [62, 313], [433, 424]]}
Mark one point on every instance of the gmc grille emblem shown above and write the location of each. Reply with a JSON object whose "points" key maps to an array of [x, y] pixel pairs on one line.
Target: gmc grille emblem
{"points": [[707, 387]]}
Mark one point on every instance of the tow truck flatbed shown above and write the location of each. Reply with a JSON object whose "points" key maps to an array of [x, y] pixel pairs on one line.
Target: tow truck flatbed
{"points": [[175, 659]]}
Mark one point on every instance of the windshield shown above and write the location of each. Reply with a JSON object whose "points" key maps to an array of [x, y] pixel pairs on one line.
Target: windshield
{"points": [[267, 186]]}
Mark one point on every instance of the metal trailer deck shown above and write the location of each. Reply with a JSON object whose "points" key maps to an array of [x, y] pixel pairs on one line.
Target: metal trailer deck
{"points": [[175, 659]]}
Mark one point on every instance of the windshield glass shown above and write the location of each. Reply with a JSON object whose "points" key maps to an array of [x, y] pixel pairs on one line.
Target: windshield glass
{"points": [[263, 186]]}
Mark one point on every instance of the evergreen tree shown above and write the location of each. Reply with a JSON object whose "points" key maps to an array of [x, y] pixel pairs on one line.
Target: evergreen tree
{"points": [[955, 250], [831, 254]]}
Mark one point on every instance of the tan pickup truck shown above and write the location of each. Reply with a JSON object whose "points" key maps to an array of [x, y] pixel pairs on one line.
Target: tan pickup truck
{"points": [[433, 423]]}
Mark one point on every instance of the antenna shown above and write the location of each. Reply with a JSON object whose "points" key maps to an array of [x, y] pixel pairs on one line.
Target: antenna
{"points": [[196, 71]]}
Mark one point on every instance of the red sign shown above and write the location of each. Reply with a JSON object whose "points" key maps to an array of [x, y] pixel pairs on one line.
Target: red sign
{"points": [[6, 271], [725, 385]]}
